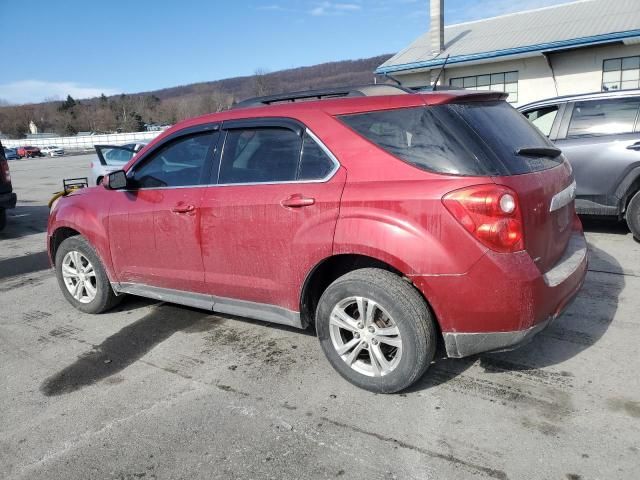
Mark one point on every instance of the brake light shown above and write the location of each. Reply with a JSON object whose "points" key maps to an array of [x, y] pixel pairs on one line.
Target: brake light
{"points": [[4, 171], [491, 213]]}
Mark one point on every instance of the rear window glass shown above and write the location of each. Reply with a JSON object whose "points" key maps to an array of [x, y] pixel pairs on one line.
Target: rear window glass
{"points": [[432, 139], [475, 138], [504, 130]]}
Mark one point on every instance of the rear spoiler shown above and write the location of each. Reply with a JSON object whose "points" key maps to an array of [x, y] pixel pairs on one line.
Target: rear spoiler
{"points": [[466, 96]]}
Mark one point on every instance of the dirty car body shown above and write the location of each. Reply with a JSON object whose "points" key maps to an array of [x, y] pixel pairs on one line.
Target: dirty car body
{"points": [[299, 212]]}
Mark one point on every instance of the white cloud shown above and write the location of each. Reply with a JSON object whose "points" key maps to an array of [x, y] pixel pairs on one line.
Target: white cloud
{"points": [[32, 91], [334, 8]]}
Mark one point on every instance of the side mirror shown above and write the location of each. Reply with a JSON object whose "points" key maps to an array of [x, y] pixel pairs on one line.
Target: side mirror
{"points": [[116, 180]]}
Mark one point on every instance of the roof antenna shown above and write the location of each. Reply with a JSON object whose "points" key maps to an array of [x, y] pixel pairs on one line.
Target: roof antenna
{"points": [[435, 83], [392, 78]]}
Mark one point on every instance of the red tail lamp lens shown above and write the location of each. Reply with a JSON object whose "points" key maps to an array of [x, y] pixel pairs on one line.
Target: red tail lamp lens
{"points": [[491, 213]]}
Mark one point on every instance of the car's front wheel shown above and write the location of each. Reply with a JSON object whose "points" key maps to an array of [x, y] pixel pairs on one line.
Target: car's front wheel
{"points": [[82, 277], [3, 219], [633, 215], [376, 330]]}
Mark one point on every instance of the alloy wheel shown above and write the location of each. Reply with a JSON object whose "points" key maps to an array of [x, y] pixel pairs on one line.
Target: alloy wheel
{"points": [[79, 277], [365, 336]]}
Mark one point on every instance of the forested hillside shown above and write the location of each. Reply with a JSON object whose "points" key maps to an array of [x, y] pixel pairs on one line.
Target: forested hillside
{"points": [[130, 112]]}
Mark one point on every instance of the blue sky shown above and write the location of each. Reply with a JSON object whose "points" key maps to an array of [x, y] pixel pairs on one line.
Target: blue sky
{"points": [[85, 48]]}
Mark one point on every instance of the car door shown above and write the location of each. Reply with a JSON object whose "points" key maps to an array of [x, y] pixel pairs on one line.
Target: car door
{"points": [[154, 225], [271, 217], [600, 139]]}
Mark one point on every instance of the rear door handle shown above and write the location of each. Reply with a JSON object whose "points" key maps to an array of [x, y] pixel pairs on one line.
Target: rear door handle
{"points": [[634, 146], [298, 201], [183, 209]]}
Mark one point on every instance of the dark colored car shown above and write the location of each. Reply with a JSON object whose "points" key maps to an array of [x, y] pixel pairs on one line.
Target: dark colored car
{"points": [[29, 152], [7, 197], [600, 135], [11, 154], [388, 218]]}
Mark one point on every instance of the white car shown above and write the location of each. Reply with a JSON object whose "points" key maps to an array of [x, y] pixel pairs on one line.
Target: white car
{"points": [[52, 151], [112, 158]]}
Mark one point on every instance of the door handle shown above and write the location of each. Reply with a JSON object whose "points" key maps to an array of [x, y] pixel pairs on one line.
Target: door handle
{"points": [[297, 201], [634, 146], [183, 209]]}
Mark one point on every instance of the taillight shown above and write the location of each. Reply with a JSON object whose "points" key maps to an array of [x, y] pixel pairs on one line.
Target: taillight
{"points": [[4, 171], [491, 213]]}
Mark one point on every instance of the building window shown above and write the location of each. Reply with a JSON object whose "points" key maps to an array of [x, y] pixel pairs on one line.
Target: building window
{"points": [[621, 73], [500, 82]]}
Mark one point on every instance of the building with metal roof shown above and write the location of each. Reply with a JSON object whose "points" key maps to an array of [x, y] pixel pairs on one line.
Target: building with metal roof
{"points": [[578, 47]]}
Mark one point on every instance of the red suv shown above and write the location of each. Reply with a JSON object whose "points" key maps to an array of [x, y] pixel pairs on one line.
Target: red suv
{"points": [[29, 152], [389, 219]]}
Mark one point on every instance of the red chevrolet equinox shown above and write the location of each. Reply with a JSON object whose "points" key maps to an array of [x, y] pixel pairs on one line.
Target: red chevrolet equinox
{"points": [[387, 218]]}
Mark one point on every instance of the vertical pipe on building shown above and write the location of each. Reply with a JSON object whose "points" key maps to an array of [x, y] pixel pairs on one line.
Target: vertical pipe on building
{"points": [[436, 32]]}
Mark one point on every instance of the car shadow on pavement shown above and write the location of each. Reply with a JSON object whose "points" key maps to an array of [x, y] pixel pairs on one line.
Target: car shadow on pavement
{"points": [[25, 220], [132, 342], [580, 327], [30, 263], [604, 225], [123, 348]]}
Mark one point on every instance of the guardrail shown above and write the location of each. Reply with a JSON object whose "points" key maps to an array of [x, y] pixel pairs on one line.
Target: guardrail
{"points": [[85, 142]]}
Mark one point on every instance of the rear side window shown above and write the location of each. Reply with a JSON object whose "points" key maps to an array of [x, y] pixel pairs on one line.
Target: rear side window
{"points": [[260, 155], [475, 138], [603, 117], [431, 138]]}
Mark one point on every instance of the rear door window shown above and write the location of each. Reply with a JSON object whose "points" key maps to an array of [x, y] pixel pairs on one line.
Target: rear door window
{"points": [[603, 117], [315, 163]]}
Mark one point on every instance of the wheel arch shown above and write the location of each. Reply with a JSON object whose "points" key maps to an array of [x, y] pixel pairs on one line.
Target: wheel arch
{"points": [[59, 235], [330, 269]]}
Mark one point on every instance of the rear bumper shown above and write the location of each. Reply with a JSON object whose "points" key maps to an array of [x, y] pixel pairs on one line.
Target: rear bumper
{"points": [[8, 200], [504, 301]]}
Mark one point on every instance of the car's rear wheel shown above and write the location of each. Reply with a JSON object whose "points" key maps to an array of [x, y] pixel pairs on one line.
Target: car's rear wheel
{"points": [[633, 215], [3, 219], [82, 277], [376, 330]]}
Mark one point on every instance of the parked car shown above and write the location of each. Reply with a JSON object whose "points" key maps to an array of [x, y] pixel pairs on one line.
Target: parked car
{"points": [[52, 151], [11, 154], [600, 135], [112, 158], [387, 218], [7, 197], [29, 152]]}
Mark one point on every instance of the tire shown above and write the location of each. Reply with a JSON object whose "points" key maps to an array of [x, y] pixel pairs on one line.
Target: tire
{"points": [[399, 307], [77, 249], [3, 219], [99, 180], [633, 215]]}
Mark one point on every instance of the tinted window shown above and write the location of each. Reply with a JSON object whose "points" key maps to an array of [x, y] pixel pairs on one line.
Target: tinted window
{"points": [[315, 164], [543, 118], [603, 117], [505, 131], [180, 163], [260, 155], [431, 138]]}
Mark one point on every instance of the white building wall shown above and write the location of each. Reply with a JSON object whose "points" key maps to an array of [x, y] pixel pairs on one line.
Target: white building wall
{"points": [[576, 71]]}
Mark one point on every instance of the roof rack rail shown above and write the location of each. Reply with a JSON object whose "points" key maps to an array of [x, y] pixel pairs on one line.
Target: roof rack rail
{"points": [[360, 91]]}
